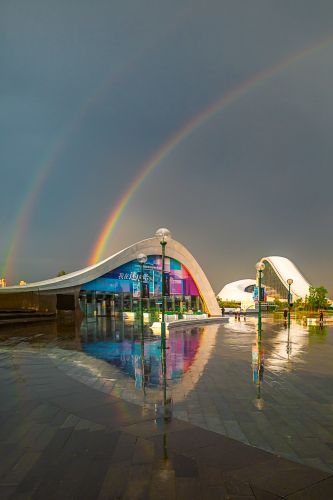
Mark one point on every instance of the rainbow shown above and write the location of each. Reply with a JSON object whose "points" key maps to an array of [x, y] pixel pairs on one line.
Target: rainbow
{"points": [[187, 130], [44, 170], [25, 211], [21, 223]]}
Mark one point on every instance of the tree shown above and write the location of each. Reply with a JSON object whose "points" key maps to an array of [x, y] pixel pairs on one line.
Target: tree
{"points": [[227, 303], [279, 305], [299, 303], [317, 298], [61, 273]]}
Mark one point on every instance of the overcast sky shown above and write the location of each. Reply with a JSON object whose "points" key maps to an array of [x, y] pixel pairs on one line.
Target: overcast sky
{"points": [[91, 89]]}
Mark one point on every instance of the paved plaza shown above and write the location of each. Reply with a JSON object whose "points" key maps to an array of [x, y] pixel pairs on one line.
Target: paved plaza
{"points": [[73, 427]]}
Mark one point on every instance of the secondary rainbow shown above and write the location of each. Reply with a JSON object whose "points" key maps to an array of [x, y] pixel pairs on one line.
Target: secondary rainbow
{"points": [[43, 172], [185, 132]]}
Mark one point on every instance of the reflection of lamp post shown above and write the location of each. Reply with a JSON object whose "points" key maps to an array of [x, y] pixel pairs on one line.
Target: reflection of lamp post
{"points": [[142, 259], [143, 374], [163, 236], [164, 372], [258, 370], [288, 343], [290, 281], [260, 266]]}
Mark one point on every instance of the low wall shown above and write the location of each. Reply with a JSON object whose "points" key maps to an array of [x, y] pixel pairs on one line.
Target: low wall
{"points": [[41, 302], [28, 301]]}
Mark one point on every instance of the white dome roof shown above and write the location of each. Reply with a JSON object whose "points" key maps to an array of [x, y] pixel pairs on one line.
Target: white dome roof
{"points": [[236, 290]]}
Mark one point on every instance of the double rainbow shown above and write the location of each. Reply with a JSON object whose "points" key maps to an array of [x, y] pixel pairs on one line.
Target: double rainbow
{"points": [[26, 209]]}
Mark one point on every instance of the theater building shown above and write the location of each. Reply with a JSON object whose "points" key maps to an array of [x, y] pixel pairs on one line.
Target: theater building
{"points": [[112, 287]]}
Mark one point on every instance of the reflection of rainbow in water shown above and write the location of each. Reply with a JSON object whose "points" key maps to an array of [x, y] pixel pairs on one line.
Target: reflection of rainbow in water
{"points": [[187, 130]]}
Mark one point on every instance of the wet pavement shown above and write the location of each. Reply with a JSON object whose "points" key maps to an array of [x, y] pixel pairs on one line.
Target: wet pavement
{"points": [[81, 412]]}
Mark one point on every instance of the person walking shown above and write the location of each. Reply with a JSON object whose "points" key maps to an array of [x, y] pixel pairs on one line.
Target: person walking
{"points": [[285, 314]]}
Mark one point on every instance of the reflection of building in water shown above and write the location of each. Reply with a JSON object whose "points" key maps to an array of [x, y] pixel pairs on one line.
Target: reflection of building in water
{"points": [[289, 343], [142, 369], [126, 355], [197, 346], [318, 330], [258, 363]]}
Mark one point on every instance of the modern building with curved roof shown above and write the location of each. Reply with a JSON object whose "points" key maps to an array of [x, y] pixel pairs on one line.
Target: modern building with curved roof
{"points": [[274, 278], [114, 284], [238, 290], [276, 273]]}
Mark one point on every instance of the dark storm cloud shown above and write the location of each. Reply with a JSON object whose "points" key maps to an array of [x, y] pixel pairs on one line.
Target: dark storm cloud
{"points": [[121, 78]]}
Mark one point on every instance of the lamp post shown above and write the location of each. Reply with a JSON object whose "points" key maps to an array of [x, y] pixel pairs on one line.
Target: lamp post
{"points": [[290, 281], [163, 235], [260, 266], [142, 259]]}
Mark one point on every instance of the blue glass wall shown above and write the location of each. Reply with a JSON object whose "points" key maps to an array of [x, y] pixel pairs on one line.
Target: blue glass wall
{"points": [[126, 278]]}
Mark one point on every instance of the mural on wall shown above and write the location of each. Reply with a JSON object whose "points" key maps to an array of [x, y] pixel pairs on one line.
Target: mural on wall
{"points": [[126, 278]]}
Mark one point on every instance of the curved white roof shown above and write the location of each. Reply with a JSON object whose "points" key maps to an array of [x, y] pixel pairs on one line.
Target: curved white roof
{"points": [[286, 269], [150, 246], [236, 290]]}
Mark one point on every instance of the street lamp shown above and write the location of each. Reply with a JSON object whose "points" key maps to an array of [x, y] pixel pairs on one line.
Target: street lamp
{"points": [[163, 235], [290, 281], [142, 259], [260, 266]]}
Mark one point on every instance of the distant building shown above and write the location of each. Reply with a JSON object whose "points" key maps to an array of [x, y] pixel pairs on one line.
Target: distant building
{"points": [[276, 273], [238, 291], [274, 278]]}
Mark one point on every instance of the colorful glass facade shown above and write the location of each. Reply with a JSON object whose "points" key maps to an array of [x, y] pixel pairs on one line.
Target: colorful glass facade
{"points": [[126, 279]]}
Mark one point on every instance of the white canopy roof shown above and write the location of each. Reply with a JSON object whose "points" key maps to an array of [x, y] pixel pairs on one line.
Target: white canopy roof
{"points": [[236, 290], [150, 246], [286, 269]]}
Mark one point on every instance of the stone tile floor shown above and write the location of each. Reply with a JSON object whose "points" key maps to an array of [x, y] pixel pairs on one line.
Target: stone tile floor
{"points": [[289, 413], [61, 439]]}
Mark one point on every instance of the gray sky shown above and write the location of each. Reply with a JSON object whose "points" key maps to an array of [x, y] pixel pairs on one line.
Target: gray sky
{"points": [[90, 90]]}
